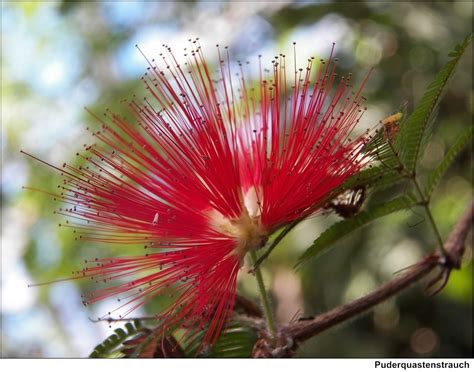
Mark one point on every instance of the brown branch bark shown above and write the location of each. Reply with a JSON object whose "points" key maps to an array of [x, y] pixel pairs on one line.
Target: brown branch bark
{"points": [[248, 307], [291, 335], [306, 329], [455, 248], [455, 245]]}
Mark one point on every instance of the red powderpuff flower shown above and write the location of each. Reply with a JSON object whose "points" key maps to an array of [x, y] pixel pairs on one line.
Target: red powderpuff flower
{"points": [[202, 171]]}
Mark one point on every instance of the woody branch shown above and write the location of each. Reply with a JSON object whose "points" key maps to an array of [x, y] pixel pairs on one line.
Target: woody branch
{"points": [[454, 247]]}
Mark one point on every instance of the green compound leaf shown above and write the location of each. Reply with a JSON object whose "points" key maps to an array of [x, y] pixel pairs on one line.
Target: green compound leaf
{"points": [[438, 172], [411, 133], [135, 341], [113, 342], [376, 177], [345, 227], [236, 341], [388, 170], [379, 146]]}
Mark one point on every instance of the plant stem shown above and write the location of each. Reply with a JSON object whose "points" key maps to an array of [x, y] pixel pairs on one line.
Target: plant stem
{"points": [[425, 204], [424, 201], [267, 310], [274, 244]]}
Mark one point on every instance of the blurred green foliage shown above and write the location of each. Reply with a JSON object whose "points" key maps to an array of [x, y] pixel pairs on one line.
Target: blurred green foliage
{"points": [[407, 42]]}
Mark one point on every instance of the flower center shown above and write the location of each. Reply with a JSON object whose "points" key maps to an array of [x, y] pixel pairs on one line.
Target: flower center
{"points": [[247, 229]]}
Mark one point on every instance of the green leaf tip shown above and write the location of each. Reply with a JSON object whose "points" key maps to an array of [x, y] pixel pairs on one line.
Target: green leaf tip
{"points": [[111, 343], [412, 132]]}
